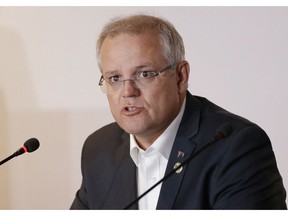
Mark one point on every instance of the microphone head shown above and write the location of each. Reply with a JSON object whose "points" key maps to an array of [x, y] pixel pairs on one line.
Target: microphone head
{"points": [[32, 144]]}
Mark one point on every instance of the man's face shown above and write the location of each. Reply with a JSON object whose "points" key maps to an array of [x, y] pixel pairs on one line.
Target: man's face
{"points": [[141, 111]]}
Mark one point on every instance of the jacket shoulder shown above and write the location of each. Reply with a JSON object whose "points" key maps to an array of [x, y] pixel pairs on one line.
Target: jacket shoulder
{"points": [[105, 139]]}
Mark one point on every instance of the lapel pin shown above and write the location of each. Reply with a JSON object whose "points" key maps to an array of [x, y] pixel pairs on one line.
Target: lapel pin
{"points": [[180, 154], [177, 168]]}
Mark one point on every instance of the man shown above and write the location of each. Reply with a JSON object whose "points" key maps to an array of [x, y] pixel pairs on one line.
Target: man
{"points": [[159, 125]]}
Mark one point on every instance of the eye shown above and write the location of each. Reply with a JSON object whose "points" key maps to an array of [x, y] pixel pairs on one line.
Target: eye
{"points": [[146, 74], [114, 79]]}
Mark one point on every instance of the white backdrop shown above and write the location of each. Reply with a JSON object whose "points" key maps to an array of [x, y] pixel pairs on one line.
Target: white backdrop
{"points": [[49, 76]]}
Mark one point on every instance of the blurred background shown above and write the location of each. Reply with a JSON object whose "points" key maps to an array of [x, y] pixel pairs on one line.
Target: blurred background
{"points": [[49, 85]]}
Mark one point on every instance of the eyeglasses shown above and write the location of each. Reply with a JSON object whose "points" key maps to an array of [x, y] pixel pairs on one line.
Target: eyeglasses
{"points": [[142, 79]]}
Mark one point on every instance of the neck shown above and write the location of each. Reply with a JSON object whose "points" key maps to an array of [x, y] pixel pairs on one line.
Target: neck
{"points": [[144, 142]]}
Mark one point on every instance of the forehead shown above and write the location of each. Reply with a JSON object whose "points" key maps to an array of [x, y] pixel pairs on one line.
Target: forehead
{"points": [[131, 49], [146, 39]]}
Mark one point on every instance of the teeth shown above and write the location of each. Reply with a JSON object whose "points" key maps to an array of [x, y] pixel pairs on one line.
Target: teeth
{"points": [[131, 108]]}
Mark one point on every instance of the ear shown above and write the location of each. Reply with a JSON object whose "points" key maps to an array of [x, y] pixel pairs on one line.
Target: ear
{"points": [[183, 70]]}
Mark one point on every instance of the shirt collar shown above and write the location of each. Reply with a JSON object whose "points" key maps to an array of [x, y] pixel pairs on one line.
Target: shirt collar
{"points": [[163, 144]]}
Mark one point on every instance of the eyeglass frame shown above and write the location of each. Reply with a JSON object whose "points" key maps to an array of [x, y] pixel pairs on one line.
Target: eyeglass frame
{"points": [[135, 77]]}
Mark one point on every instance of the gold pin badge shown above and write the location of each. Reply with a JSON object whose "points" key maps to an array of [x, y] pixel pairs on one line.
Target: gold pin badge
{"points": [[177, 168]]}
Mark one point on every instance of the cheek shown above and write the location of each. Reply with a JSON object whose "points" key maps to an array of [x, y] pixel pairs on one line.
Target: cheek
{"points": [[162, 99], [167, 92], [172, 97], [113, 104]]}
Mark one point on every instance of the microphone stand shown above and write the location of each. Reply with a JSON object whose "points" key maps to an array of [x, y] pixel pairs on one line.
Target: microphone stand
{"points": [[7, 159]]}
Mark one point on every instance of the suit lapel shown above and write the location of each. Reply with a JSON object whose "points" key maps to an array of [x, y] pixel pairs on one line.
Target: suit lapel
{"points": [[182, 148], [123, 188]]}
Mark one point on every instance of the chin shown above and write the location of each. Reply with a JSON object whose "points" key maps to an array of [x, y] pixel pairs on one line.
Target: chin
{"points": [[133, 130]]}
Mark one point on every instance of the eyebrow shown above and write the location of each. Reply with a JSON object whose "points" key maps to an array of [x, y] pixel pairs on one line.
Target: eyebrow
{"points": [[110, 72], [113, 72]]}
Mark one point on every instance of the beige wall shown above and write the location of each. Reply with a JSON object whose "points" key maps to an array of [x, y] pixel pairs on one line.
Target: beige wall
{"points": [[49, 76]]}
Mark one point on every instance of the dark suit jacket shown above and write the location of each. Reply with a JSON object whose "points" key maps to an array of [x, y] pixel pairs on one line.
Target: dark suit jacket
{"points": [[238, 172]]}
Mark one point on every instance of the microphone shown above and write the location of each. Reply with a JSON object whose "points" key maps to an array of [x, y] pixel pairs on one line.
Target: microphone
{"points": [[30, 145], [223, 132]]}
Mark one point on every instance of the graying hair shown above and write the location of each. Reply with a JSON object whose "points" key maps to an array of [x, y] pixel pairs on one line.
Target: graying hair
{"points": [[173, 47]]}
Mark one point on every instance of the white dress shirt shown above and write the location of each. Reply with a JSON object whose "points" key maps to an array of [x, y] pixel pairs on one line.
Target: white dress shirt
{"points": [[151, 164]]}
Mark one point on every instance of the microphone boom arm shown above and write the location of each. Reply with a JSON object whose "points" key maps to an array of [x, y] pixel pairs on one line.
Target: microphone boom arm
{"points": [[223, 132]]}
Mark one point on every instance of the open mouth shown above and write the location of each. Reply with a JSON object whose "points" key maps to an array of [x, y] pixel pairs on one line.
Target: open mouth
{"points": [[129, 109], [132, 110]]}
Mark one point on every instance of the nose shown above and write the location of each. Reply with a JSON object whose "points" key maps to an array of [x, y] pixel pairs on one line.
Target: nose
{"points": [[130, 89]]}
